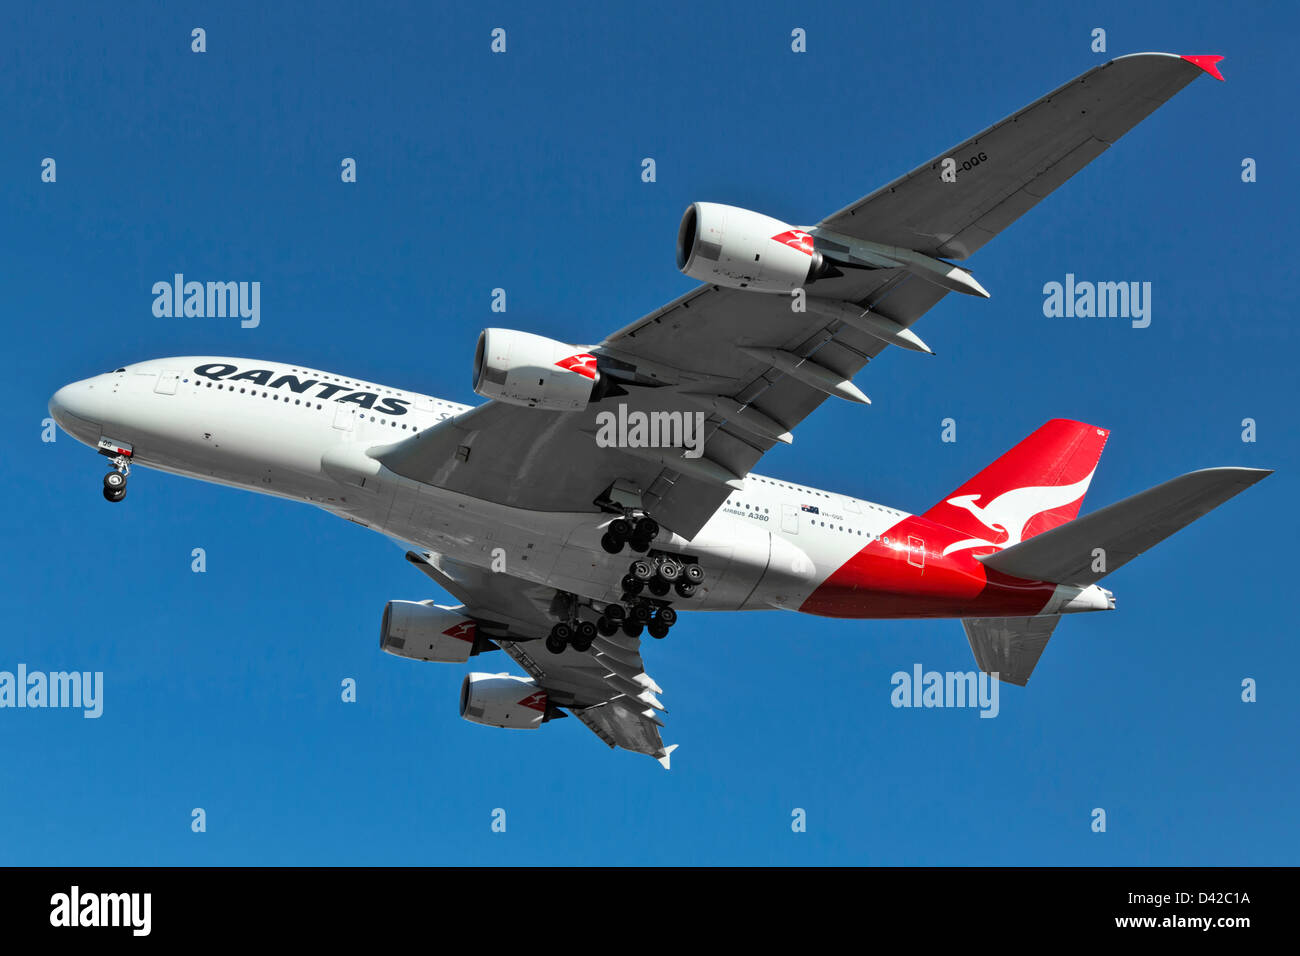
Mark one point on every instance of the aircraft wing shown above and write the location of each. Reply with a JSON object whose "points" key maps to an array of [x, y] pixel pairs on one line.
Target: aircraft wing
{"points": [[713, 348], [606, 688], [1004, 171]]}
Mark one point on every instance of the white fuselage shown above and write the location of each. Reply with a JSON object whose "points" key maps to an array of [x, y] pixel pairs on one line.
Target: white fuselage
{"points": [[302, 434]]}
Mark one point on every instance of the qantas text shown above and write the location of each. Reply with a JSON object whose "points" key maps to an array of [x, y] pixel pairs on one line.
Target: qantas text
{"points": [[265, 378]]}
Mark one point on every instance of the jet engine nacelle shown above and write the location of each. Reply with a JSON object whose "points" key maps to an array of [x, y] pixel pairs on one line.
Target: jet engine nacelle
{"points": [[740, 249], [503, 700], [525, 369], [424, 631]]}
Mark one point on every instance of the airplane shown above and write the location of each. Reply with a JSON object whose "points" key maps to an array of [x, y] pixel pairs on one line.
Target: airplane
{"points": [[565, 549]]}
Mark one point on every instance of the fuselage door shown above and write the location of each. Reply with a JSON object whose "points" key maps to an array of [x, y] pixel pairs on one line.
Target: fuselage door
{"points": [[166, 384], [789, 519], [915, 551], [345, 414]]}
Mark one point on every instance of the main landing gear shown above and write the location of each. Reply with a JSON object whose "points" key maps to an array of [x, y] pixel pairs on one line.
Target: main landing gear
{"points": [[636, 533], [115, 480], [636, 613], [577, 635], [659, 573]]}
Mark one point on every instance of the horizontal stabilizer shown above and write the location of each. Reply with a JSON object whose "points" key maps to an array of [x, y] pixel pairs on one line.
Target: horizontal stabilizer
{"points": [[1009, 646], [1069, 554]]}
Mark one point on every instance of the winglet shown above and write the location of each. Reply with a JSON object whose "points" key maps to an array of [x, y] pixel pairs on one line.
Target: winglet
{"points": [[1207, 63], [667, 755]]}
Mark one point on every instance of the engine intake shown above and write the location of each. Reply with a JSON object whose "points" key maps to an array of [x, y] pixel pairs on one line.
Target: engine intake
{"points": [[741, 249], [531, 370]]}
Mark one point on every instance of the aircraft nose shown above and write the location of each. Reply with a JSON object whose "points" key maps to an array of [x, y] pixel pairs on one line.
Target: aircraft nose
{"points": [[72, 407], [60, 399]]}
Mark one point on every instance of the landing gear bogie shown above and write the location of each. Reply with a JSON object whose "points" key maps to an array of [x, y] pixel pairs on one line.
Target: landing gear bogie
{"points": [[637, 532], [662, 573], [578, 633]]}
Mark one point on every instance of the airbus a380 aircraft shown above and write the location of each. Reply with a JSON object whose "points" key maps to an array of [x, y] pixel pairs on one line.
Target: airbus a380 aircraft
{"points": [[565, 548]]}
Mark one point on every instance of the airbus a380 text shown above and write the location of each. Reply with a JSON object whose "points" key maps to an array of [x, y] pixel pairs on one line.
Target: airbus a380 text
{"points": [[565, 551]]}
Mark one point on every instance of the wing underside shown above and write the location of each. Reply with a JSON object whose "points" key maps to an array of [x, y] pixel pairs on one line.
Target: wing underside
{"points": [[606, 688]]}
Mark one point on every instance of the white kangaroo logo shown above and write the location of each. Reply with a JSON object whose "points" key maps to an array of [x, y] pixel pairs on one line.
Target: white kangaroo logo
{"points": [[1012, 511]]}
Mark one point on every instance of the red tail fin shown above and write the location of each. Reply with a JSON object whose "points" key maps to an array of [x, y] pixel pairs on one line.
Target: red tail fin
{"points": [[1035, 486]]}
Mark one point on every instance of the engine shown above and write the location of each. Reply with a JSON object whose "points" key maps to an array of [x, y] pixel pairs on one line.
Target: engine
{"points": [[503, 700], [740, 249], [424, 631], [525, 369]]}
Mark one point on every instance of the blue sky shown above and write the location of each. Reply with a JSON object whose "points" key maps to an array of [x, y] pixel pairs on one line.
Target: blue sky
{"points": [[522, 171]]}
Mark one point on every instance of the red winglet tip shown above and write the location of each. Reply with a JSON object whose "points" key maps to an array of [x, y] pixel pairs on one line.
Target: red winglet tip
{"points": [[1207, 63]]}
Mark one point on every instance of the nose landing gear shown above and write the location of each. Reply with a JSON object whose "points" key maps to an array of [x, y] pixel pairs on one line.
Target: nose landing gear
{"points": [[115, 480]]}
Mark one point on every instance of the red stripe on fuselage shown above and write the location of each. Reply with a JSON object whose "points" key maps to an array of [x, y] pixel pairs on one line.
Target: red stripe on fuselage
{"points": [[880, 580]]}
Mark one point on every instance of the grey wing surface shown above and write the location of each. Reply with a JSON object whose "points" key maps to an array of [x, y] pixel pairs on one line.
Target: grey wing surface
{"points": [[1004, 171]]}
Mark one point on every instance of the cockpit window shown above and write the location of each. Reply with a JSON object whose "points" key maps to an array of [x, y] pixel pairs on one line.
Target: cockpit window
{"points": [[119, 370]]}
